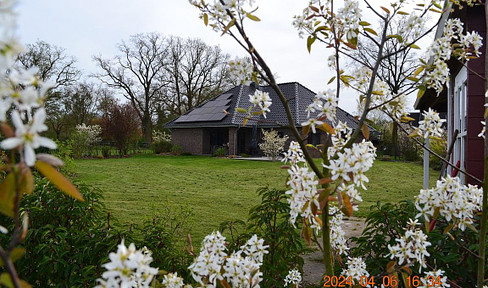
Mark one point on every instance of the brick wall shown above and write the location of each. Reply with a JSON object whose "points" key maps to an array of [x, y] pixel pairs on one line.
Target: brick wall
{"points": [[191, 139]]}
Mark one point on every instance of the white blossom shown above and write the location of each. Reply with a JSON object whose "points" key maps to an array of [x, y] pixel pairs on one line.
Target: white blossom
{"points": [[356, 268], [261, 100], [411, 247], [434, 279], [456, 202], [28, 136], [431, 125], [293, 278], [241, 69], [128, 268]]}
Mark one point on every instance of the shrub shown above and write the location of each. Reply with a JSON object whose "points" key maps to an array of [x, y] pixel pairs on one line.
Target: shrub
{"points": [[120, 123], [67, 240], [220, 152], [106, 151], [176, 150], [273, 144], [164, 235], [269, 220], [84, 139], [162, 147], [384, 223], [65, 153]]}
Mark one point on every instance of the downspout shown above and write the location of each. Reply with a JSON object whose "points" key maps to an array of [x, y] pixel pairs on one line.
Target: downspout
{"points": [[235, 139]]}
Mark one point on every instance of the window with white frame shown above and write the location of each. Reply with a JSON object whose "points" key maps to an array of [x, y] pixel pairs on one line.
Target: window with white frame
{"points": [[459, 108]]}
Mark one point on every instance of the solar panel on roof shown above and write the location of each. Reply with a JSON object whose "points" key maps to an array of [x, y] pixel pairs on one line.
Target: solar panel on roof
{"points": [[210, 111]]}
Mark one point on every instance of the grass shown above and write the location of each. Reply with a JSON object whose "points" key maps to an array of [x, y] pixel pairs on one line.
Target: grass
{"points": [[216, 190]]}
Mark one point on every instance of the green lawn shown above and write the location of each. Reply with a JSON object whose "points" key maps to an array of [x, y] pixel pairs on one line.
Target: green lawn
{"points": [[215, 189]]}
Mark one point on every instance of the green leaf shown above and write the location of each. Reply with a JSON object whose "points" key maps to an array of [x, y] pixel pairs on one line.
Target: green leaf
{"points": [[6, 280], [364, 23], [421, 91], [252, 17], [244, 122], [345, 79], [58, 180], [413, 46], [7, 195], [231, 23], [15, 255], [371, 31], [396, 36], [310, 41], [435, 10], [413, 79], [332, 80], [419, 70], [403, 13], [205, 19], [241, 110]]}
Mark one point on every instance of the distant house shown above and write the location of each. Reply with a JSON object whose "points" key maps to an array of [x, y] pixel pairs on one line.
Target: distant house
{"points": [[207, 127], [463, 99]]}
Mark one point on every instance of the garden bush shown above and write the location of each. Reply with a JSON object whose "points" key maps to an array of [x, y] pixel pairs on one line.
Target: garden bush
{"points": [[449, 251], [176, 150], [269, 220], [162, 147], [220, 152]]}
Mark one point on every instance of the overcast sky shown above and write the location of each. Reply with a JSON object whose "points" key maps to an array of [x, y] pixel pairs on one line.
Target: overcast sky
{"points": [[91, 27]]}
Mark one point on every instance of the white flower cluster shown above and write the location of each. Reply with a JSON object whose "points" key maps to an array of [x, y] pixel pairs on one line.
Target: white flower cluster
{"points": [[172, 280], [262, 100], [160, 136], [442, 49], [431, 125], [454, 201], [337, 234], [412, 27], [293, 278], [128, 267], [90, 133], [239, 269], [349, 165], [434, 279], [294, 155], [350, 16], [356, 268], [304, 23], [21, 90], [411, 247], [326, 104], [241, 69], [217, 12], [303, 195]]}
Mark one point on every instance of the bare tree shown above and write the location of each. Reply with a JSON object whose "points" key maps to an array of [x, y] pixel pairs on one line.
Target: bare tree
{"points": [[53, 63], [138, 72], [395, 69], [57, 67], [196, 73]]}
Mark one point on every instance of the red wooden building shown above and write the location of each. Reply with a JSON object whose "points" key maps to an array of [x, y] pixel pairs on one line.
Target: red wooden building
{"points": [[463, 99]]}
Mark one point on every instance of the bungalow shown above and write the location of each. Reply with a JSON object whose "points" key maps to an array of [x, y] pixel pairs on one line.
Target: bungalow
{"points": [[463, 99], [207, 127]]}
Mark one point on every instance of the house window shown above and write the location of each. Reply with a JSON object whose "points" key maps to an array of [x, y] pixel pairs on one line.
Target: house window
{"points": [[459, 110]]}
